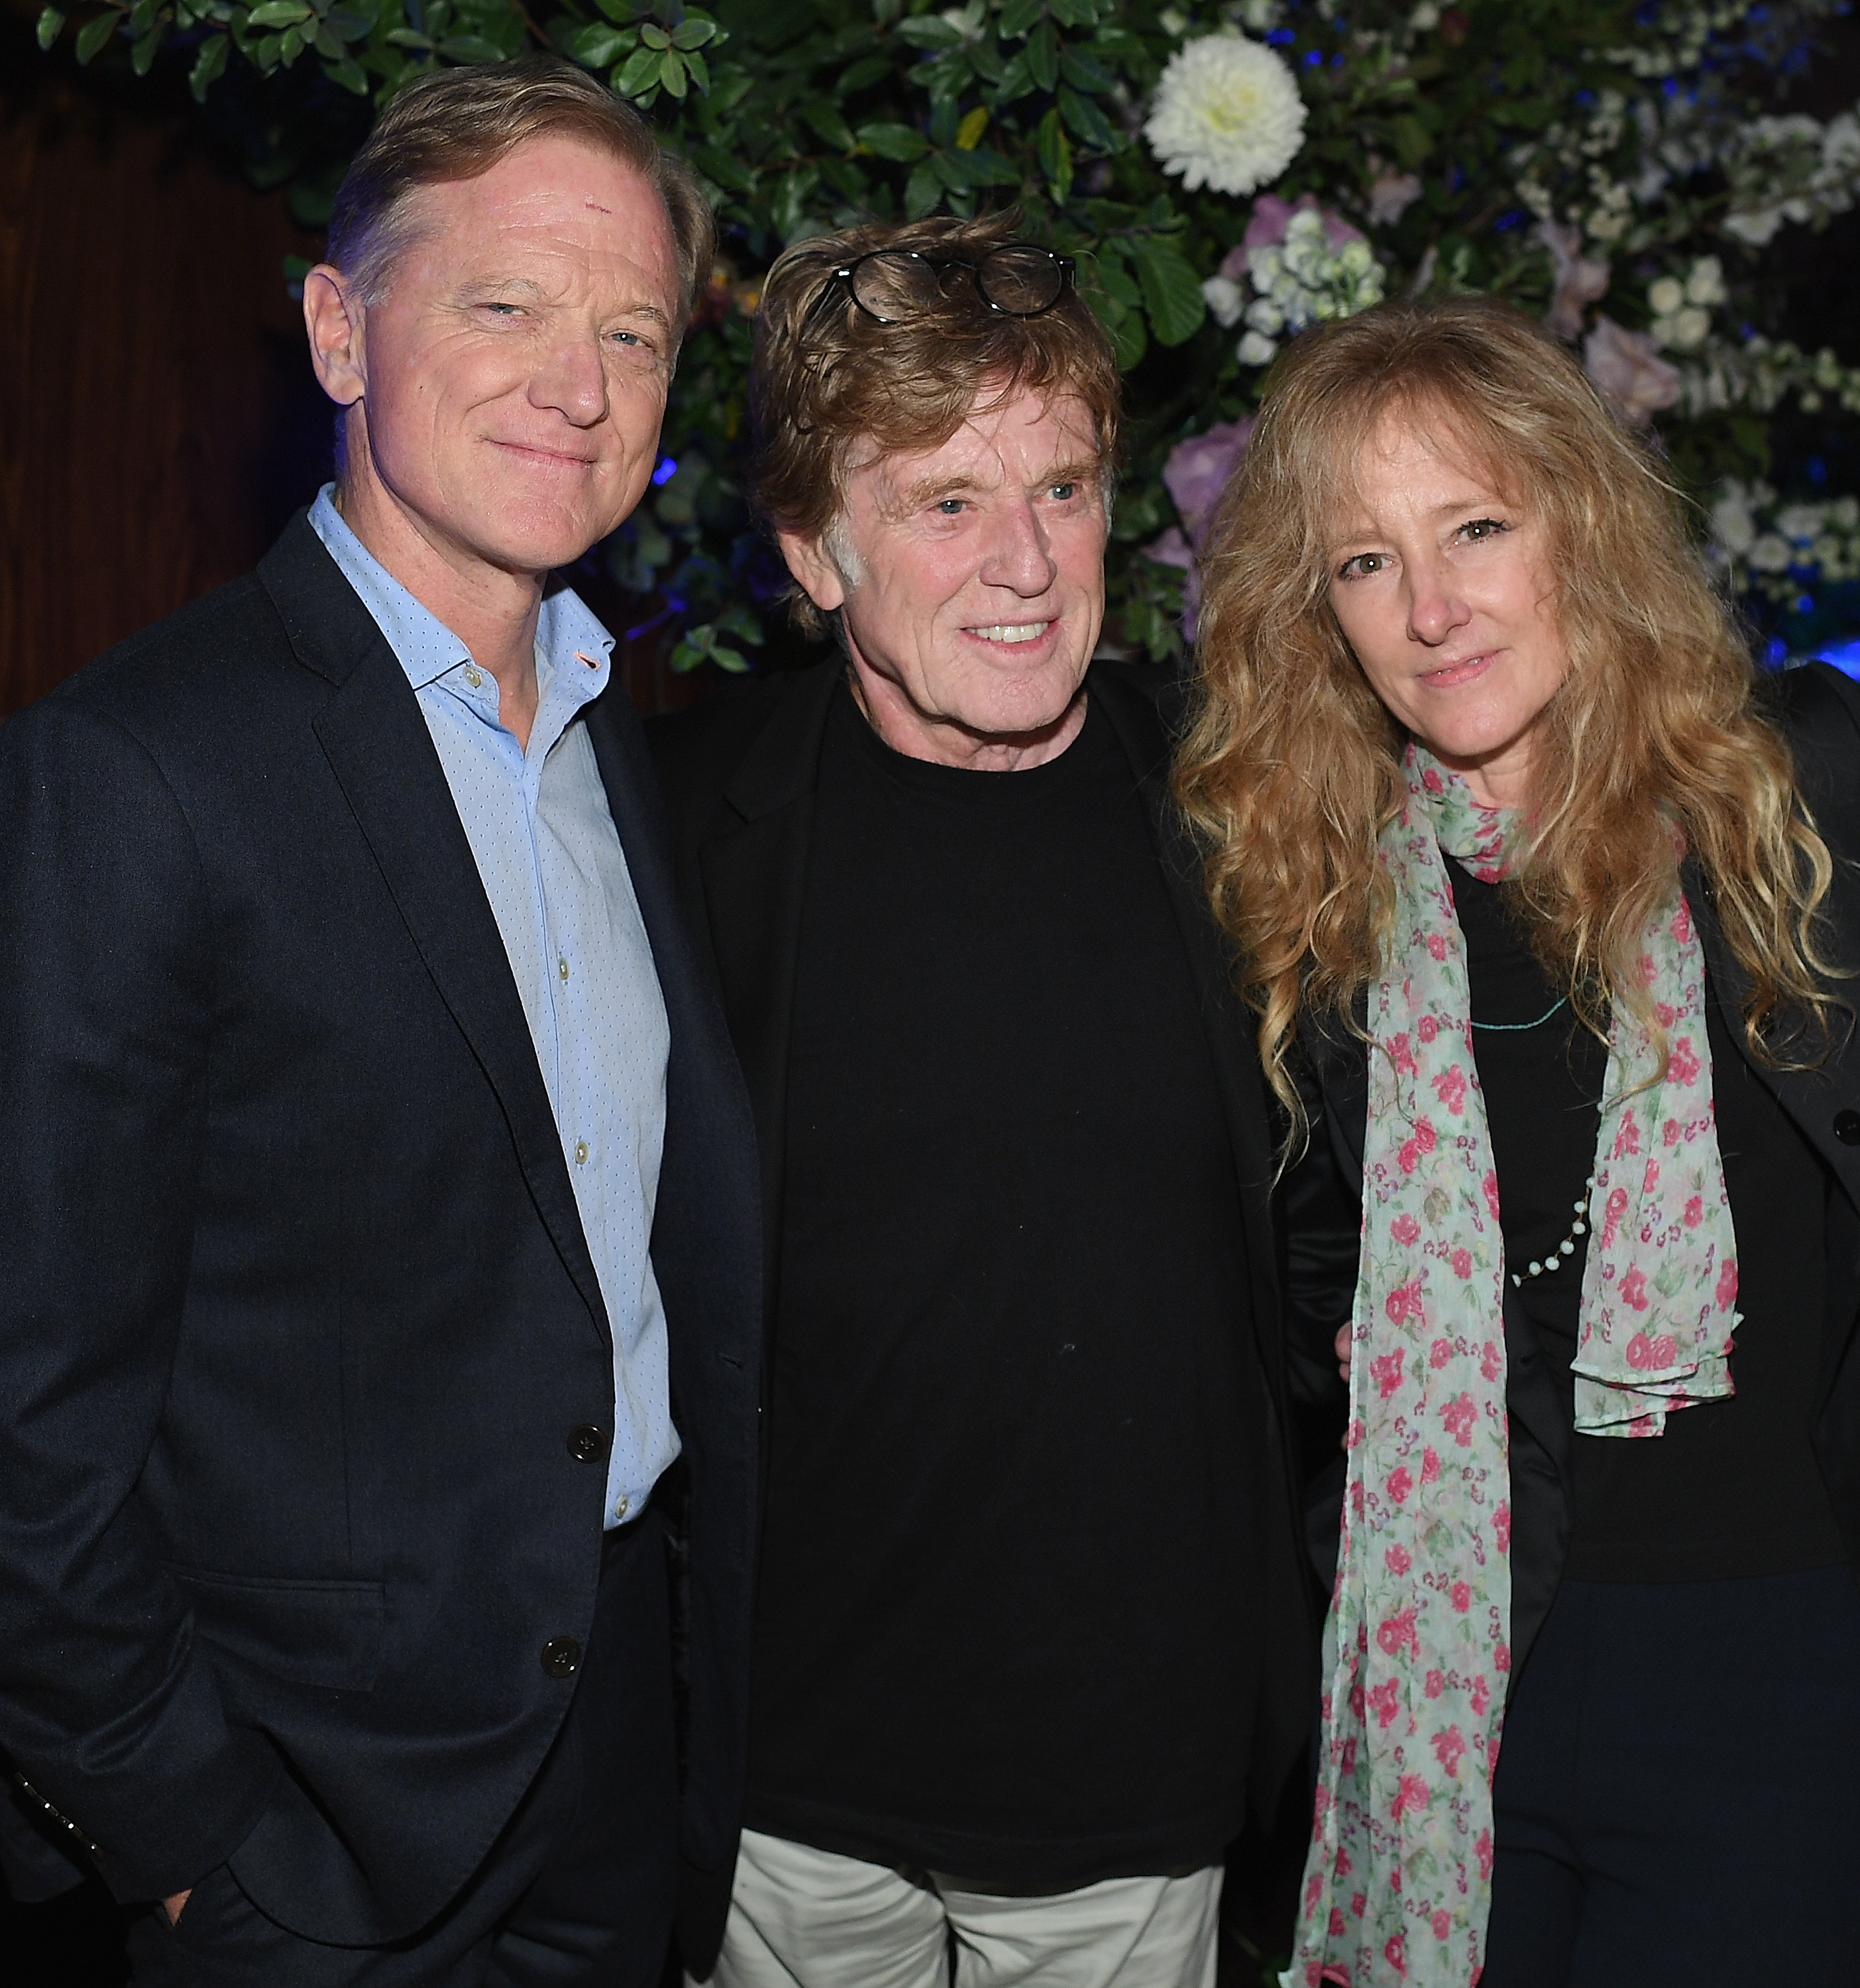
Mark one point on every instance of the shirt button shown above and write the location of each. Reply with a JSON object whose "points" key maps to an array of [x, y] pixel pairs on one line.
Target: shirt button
{"points": [[581, 1152], [622, 1506], [587, 1443], [561, 1656], [1847, 1127], [474, 678], [561, 968]]}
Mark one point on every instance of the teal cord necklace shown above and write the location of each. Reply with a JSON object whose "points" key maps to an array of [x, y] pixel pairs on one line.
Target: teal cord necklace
{"points": [[1513, 1028]]}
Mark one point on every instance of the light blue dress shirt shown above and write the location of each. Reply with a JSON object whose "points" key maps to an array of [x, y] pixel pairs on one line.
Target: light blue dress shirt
{"points": [[551, 862]]}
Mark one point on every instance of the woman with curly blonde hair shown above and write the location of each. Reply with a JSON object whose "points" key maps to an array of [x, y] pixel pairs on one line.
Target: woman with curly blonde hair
{"points": [[1540, 894]]}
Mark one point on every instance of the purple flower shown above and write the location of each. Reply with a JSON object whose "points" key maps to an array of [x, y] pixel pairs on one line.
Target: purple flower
{"points": [[1578, 283], [1267, 227], [1626, 365], [1198, 471]]}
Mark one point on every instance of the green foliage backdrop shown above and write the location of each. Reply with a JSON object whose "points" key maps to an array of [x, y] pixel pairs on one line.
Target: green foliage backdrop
{"points": [[1628, 171]]}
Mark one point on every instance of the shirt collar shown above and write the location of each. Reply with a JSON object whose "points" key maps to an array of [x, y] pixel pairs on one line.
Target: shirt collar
{"points": [[576, 649]]}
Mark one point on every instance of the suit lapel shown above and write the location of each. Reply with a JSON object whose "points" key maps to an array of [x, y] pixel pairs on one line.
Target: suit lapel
{"points": [[754, 866], [376, 742], [1225, 1020]]}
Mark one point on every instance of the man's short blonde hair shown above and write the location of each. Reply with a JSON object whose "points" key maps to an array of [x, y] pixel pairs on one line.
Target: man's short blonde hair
{"points": [[456, 123]]}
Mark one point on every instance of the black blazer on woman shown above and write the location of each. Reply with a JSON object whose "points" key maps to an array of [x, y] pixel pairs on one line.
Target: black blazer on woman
{"points": [[298, 1322], [1819, 710]]}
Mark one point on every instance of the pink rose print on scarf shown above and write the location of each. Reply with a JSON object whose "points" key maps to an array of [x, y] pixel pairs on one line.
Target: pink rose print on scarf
{"points": [[1450, 1088], [1682, 1064], [1386, 1368], [1405, 1230], [1436, 945], [1611, 1215], [1490, 1184], [1430, 1467], [1436, 1683], [1411, 1794], [1482, 1697], [1695, 1211], [1443, 1924], [1440, 1353], [1384, 1701], [1462, 1597], [1727, 1284], [1501, 1526], [1459, 1415], [1397, 1634], [1491, 1361], [1404, 1302], [1400, 1484], [1427, 1028], [1403, 1056], [1628, 1139], [1394, 1953], [1462, 1260], [1681, 927], [1398, 1560], [1482, 1851], [1634, 1288]]}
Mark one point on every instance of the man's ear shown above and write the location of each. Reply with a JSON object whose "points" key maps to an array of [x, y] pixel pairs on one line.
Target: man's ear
{"points": [[333, 316], [820, 579]]}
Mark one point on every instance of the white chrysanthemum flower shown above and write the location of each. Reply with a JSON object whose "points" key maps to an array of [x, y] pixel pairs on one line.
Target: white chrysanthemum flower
{"points": [[1226, 115]]}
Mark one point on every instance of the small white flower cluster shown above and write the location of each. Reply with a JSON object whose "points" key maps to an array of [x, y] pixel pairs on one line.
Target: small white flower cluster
{"points": [[1775, 552], [1299, 281], [1793, 168], [1760, 373], [1682, 307], [1226, 115]]}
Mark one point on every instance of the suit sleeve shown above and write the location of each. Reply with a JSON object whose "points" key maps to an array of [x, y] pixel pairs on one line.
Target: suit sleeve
{"points": [[106, 992]]}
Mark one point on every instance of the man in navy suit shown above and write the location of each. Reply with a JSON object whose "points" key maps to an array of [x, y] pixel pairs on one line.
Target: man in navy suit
{"points": [[380, 1271]]}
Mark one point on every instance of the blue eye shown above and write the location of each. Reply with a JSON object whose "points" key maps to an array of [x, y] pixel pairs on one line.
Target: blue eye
{"points": [[1063, 492], [950, 507]]}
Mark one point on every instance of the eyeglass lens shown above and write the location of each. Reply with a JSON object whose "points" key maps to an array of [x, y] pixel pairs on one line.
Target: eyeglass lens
{"points": [[893, 283]]}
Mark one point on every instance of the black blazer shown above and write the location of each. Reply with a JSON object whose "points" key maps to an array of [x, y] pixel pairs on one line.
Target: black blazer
{"points": [[1819, 710], [296, 1313], [740, 775]]}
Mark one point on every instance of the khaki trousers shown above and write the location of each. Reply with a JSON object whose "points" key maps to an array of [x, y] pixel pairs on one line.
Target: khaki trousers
{"points": [[801, 1918]]}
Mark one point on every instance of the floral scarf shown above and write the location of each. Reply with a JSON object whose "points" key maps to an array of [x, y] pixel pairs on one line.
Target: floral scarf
{"points": [[1417, 1645]]}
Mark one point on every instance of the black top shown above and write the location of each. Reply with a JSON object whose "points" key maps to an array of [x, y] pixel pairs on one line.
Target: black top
{"points": [[1732, 1488], [1014, 1472]]}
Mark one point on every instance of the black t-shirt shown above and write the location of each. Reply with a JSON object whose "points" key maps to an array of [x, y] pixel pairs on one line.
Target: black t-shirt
{"points": [[1732, 1488], [1006, 1629]]}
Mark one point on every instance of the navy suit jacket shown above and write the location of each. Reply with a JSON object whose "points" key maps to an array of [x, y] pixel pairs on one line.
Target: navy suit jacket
{"points": [[296, 1313]]}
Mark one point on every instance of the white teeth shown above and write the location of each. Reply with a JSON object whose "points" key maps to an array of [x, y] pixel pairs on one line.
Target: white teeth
{"points": [[1016, 631]]}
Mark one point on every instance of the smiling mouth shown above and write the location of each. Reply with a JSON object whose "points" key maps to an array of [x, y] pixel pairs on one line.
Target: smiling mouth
{"points": [[556, 455], [1010, 632]]}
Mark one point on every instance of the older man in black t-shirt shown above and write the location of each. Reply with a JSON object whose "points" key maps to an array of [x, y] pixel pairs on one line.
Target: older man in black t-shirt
{"points": [[1030, 1625]]}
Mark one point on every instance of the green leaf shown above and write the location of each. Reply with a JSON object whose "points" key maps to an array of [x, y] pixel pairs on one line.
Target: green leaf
{"points": [[470, 48], [929, 31], [1171, 291], [697, 69], [1017, 16], [923, 191], [50, 22], [968, 133], [827, 123], [349, 73], [292, 43], [640, 73], [1087, 119], [142, 53], [277, 13], [350, 25], [903, 142], [717, 163], [141, 18], [94, 33], [1413, 141], [654, 35], [1082, 72], [598, 44], [861, 75], [1073, 13], [671, 73], [208, 64], [1043, 55], [1055, 152], [693, 31]]}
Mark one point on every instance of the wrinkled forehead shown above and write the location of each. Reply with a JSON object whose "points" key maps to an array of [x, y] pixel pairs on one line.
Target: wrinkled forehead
{"points": [[1008, 436]]}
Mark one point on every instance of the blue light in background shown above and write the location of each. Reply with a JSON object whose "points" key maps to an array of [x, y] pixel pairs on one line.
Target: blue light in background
{"points": [[1804, 603], [666, 471], [1844, 656], [1817, 470], [1280, 37], [1312, 60], [1775, 649]]}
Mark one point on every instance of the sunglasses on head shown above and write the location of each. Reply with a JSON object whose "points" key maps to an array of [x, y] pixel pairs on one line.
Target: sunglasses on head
{"points": [[1019, 280]]}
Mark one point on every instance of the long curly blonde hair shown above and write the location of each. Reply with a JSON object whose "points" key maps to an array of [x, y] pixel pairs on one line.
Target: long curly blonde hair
{"points": [[1291, 767]]}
